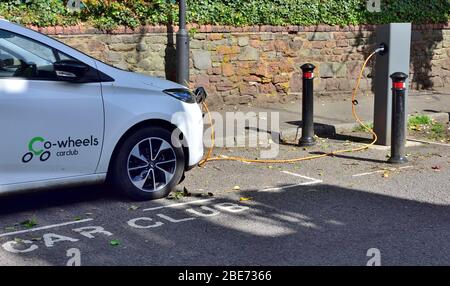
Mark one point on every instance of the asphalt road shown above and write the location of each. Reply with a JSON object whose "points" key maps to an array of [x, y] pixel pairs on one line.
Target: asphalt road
{"points": [[324, 212]]}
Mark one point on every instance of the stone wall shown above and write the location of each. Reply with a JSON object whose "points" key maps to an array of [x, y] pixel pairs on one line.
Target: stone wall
{"points": [[262, 63]]}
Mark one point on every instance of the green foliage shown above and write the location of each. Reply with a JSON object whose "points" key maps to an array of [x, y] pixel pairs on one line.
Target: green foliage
{"points": [[361, 128], [416, 11], [437, 131], [416, 122], [36, 12], [29, 223], [108, 14], [423, 124], [254, 12]]}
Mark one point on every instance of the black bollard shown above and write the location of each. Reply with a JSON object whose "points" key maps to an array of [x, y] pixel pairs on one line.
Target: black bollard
{"points": [[398, 137], [308, 106]]}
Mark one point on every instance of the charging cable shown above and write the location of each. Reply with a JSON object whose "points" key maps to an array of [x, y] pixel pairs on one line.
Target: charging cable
{"points": [[208, 157]]}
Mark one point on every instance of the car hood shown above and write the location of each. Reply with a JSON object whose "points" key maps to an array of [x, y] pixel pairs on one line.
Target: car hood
{"points": [[157, 83]]}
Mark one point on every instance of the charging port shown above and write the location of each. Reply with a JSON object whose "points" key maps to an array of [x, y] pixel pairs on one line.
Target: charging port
{"points": [[382, 49]]}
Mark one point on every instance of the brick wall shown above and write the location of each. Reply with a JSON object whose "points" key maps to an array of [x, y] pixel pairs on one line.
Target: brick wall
{"points": [[238, 65]]}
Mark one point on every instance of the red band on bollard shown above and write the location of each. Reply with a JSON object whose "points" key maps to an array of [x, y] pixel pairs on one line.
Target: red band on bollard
{"points": [[399, 85], [308, 75]]}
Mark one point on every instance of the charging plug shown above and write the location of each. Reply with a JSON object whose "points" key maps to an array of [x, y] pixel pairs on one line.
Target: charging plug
{"points": [[382, 49]]}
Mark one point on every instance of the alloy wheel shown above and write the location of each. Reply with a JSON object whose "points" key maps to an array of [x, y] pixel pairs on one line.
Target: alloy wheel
{"points": [[152, 164]]}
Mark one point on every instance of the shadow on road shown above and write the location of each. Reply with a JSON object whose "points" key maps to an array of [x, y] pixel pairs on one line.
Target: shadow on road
{"points": [[35, 201], [303, 225]]}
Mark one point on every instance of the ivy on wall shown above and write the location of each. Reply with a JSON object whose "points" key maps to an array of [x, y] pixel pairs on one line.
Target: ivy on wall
{"points": [[108, 14]]}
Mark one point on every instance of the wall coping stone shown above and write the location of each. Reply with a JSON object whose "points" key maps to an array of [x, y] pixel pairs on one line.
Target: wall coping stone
{"points": [[82, 29]]}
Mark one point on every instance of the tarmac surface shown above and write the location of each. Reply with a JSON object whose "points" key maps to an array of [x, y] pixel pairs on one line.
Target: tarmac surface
{"points": [[331, 211]]}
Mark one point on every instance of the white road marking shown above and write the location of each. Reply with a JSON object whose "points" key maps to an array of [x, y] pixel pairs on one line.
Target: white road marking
{"points": [[178, 205], [368, 173], [301, 176], [275, 189], [379, 171], [45, 227], [312, 181]]}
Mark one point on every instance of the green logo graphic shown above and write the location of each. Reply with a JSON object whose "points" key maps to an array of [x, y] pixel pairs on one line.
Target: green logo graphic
{"points": [[42, 153], [31, 144]]}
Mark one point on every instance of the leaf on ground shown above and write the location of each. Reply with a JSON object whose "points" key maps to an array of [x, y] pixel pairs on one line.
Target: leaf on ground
{"points": [[176, 196], [386, 174], [89, 214], [36, 239], [77, 218], [133, 208], [114, 242], [436, 168], [18, 240], [244, 199], [236, 188], [203, 195], [29, 223]]}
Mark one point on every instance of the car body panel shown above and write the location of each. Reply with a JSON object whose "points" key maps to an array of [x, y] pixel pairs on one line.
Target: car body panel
{"points": [[54, 114], [104, 111], [121, 114]]}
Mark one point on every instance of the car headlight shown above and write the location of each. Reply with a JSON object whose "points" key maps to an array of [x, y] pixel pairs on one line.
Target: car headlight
{"points": [[181, 94]]}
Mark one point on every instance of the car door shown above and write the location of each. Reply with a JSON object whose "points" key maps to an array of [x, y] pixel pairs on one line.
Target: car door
{"points": [[50, 129]]}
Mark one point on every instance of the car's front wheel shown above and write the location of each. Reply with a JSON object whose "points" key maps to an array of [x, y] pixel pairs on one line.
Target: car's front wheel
{"points": [[149, 164]]}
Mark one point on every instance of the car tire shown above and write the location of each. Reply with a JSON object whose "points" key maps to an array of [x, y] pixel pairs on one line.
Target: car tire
{"points": [[148, 165]]}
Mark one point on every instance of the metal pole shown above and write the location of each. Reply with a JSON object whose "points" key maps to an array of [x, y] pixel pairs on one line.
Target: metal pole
{"points": [[398, 136], [308, 106], [182, 47]]}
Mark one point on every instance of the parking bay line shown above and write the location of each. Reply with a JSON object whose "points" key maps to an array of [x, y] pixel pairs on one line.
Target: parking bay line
{"points": [[304, 177], [312, 181], [177, 205], [45, 227], [379, 171]]}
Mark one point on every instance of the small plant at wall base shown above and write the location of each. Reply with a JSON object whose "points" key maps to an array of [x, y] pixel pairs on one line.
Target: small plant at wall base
{"points": [[108, 14], [361, 128], [415, 123], [424, 126]]}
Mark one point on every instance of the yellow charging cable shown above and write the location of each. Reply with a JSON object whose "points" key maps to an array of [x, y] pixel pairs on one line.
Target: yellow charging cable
{"points": [[208, 157]]}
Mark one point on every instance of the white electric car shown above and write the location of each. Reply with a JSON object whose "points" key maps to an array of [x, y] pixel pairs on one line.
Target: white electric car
{"points": [[68, 119]]}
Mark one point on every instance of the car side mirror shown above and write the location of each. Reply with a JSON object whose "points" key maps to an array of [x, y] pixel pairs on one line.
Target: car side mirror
{"points": [[70, 70], [200, 94]]}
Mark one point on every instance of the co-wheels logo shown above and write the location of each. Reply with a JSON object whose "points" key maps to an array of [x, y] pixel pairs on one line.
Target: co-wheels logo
{"points": [[42, 152], [43, 149]]}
